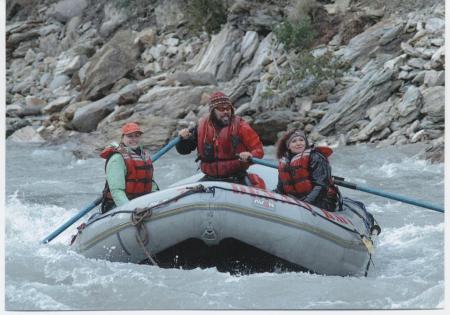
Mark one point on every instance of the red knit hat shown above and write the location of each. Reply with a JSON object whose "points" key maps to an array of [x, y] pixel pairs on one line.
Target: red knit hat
{"points": [[130, 128], [219, 99]]}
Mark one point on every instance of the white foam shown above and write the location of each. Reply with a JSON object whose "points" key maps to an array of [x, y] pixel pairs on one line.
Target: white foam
{"points": [[408, 235]]}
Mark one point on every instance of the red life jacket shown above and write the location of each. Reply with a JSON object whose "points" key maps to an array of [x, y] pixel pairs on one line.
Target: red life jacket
{"points": [[217, 149], [138, 180], [295, 175]]}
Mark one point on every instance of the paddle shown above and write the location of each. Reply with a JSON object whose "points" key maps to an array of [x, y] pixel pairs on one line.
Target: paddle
{"points": [[341, 182], [97, 201]]}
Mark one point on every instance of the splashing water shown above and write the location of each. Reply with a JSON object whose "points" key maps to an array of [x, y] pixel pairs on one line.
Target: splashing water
{"points": [[47, 186]]}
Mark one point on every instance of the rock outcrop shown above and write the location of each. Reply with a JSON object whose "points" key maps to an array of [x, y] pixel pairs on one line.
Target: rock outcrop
{"points": [[77, 70]]}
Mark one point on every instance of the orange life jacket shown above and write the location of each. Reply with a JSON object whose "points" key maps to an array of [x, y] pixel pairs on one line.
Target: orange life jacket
{"points": [[138, 180], [217, 149], [295, 175]]}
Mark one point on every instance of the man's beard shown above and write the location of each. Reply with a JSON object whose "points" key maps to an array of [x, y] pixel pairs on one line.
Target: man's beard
{"points": [[221, 122]]}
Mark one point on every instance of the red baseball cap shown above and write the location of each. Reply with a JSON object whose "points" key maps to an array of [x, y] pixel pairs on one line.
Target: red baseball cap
{"points": [[130, 128]]}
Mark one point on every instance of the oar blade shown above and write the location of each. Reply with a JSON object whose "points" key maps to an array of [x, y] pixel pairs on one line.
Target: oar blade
{"points": [[72, 220]]}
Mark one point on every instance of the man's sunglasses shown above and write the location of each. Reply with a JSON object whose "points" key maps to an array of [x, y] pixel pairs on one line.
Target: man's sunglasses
{"points": [[223, 108]]}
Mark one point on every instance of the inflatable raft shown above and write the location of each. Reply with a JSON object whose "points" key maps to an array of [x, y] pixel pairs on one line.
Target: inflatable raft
{"points": [[235, 228]]}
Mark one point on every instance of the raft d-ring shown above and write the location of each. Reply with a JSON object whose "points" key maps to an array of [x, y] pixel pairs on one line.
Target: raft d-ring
{"points": [[375, 230], [209, 234]]}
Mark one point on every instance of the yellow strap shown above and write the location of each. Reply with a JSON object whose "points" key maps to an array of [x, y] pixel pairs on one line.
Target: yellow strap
{"points": [[369, 244]]}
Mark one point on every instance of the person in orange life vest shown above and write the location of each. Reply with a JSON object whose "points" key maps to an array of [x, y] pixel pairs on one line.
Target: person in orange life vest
{"points": [[129, 169], [224, 143], [304, 171]]}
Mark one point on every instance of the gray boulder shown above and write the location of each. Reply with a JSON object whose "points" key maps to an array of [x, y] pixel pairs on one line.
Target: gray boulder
{"points": [[379, 123], [86, 118], [434, 103], [435, 151], [110, 64], [360, 47], [433, 78], [69, 64], [438, 58], [68, 112], [26, 134], [373, 89], [173, 102], [64, 10], [217, 58], [56, 105], [434, 25], [58, 81], [409, 107], [13, 123], [270, 123], [249, 45], [194, 78], [33, 107], [169, 13], [114, 17]]}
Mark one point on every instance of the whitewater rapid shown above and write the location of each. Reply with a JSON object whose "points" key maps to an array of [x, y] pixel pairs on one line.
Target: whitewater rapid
{"points": [[47, 185]]}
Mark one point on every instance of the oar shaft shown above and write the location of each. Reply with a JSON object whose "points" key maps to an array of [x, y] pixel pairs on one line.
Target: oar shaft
{"points": [[392, 196], [340, 182], [264, 162], [166, 148], [72, 220]]}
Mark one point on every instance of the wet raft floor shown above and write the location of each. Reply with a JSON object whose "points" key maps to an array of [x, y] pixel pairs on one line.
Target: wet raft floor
{"points": [[229, 255]]}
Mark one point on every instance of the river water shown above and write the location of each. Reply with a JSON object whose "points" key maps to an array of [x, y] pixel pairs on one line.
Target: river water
{"points": [[45, 186]]}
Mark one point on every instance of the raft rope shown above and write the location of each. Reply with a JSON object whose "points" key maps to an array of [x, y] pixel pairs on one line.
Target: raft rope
{"points": [[189, 191], [211, 189], [200, 188], [291, 203], [368, 265], [367, 242], [137, 219], [139, 215]]}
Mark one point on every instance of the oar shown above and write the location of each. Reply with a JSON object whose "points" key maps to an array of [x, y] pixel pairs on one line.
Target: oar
{"points": [[72, 220], [166, 148], [411, 201], [341, 182], [97, 201]]}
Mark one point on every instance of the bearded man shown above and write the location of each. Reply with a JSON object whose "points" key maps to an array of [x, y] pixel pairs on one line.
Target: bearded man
{"points": [[224, 142]]}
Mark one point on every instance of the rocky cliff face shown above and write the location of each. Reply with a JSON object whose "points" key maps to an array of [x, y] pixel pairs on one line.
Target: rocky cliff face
{"points": [[78, 69]]}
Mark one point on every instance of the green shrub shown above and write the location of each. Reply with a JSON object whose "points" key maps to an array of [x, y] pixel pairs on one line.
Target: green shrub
{"points": [[133, 7], [206, 15], [123, 4], [295, 36], [320, 68], [304, 65]]}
